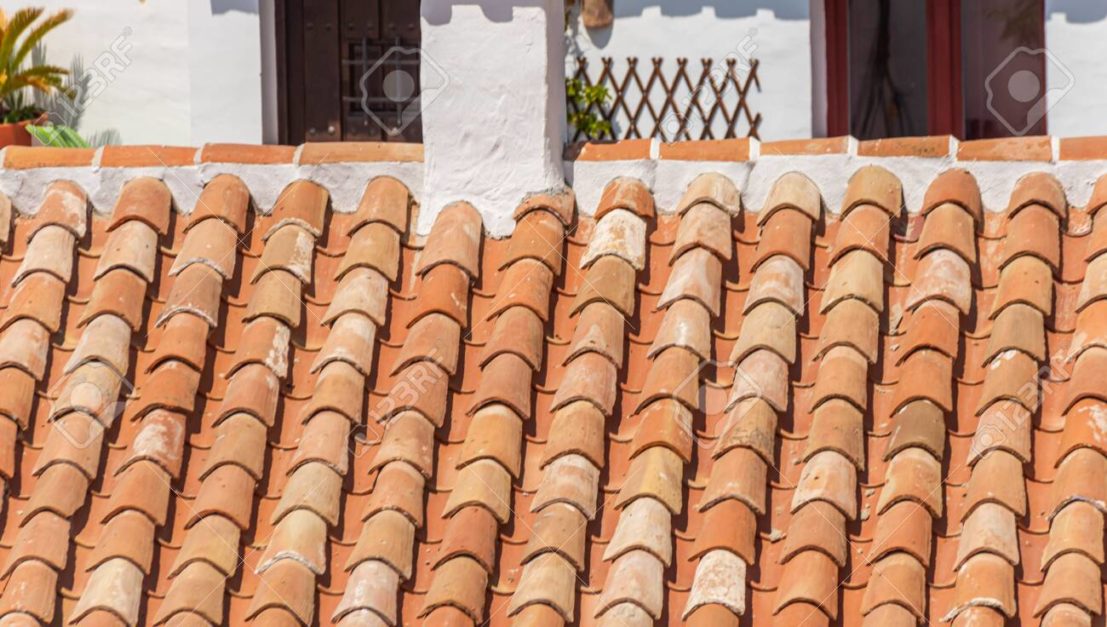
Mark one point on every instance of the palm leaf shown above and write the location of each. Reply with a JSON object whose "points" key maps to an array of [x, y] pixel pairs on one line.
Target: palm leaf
{"points": [[42, 83], [38, 33], [42, 77], [19, 22], [44, 70]]}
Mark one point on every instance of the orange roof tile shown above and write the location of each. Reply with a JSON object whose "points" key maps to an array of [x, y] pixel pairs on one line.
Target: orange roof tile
{"points": [[866, 413]]}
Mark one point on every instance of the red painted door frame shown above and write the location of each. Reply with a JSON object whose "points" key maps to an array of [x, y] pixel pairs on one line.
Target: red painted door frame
{"points": [[943, 46], [837, 67]]}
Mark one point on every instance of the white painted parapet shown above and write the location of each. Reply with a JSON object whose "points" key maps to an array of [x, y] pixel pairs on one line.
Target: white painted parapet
{"points": [[493, 105]]}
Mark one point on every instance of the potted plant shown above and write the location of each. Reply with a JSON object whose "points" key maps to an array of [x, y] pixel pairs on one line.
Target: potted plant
{"points": [[19, 34]]}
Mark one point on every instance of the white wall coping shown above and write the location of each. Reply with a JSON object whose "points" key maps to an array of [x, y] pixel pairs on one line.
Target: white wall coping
{"points": [[588, 173]]}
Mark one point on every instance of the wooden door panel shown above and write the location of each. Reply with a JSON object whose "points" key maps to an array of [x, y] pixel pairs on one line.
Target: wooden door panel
{"points": [[335, 58]]}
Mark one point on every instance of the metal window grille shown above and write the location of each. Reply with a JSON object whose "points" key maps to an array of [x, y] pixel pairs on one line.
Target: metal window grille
{"points": [[370, 105], [673, 104]]}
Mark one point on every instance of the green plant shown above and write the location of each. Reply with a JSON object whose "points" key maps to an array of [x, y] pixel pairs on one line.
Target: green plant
{"points": [[584, 100], [57, 135], [19, 34]]}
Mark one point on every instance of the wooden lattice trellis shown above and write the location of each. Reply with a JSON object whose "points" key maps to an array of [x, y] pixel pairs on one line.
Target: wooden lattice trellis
{"points": [[716, 97]]}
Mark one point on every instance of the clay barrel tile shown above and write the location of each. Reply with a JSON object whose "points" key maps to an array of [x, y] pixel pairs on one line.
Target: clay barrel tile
{"points": [[385, 201], [626, 193], [792, 191], [561, 203], [1037, 188], [455, 239], [302, 203], [873, 185], [712, 188], [958, 187], [146, 200], [224, 198]]}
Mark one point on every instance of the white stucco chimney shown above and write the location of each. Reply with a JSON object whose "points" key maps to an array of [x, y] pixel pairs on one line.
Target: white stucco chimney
{"points": [[493, 105]]}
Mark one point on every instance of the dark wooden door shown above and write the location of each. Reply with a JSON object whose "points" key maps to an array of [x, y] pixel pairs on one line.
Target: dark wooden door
{"points": [[349, 70]]}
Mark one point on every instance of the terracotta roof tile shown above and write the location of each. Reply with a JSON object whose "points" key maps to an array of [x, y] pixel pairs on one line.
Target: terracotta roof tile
{"points": [[817, 527], [873, 185], [778, 279], [120, 293], [455, 240], [559, 528], [955, 186], [1037, 189], [696, 275], [787, 232], [42, 255], [734, 149], [711, 188], [245, 153], [810, 577], [318, 153], [667, 423], [224, 198], [993, 481], [904, 526], [626, 193], [937, 146], [866, 227], [577, 429], [704, 226], [1073, 531], [792, 191], [635, 579], [942, 275], [538, 236], [738, 474], [851, 323], [569, 479], [950, 227], [1012, 149], [599, 329], [984, 581], [890, 382], [561, 203], [728, 525], [818, 146]]}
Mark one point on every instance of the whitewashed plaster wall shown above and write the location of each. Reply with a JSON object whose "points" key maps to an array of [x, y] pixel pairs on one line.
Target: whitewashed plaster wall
{"points": [[1076, 75], [778, 30], [201, 70], [493, 102], [181, 72]]}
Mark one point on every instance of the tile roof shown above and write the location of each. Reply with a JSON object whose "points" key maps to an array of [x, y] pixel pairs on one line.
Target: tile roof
{"points": [[793, 413]]}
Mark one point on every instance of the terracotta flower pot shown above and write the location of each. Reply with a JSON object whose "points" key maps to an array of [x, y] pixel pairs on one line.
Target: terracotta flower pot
{"points": [[15, 134]]}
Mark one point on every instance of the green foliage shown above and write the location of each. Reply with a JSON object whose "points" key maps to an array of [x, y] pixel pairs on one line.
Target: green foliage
{"points": [[584, 101], [19, 35], [57, 136]]}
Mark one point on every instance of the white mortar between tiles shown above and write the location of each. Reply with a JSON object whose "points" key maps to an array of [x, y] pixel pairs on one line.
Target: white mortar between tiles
{"points": [[667, 180]]}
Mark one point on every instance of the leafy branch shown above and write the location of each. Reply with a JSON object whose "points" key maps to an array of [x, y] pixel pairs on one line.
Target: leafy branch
{"points": [[583, 101]]}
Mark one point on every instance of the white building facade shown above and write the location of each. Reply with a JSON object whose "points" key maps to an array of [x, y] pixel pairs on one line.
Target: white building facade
{"points": [[207, 70]]}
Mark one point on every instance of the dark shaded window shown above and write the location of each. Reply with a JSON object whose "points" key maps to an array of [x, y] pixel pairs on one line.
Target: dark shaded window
{"points": [[348, 70], [887, 68], [1003, 61], [970, 68]]}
